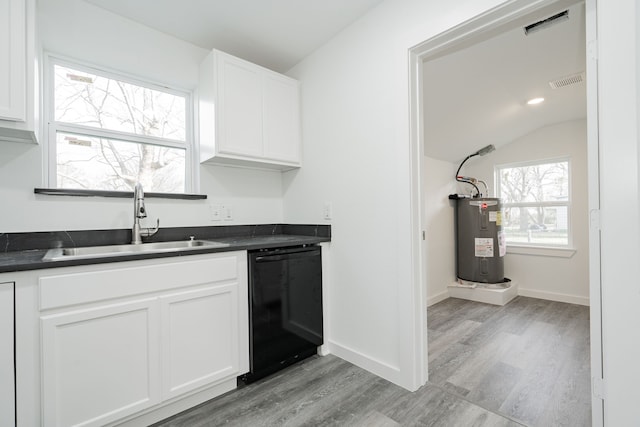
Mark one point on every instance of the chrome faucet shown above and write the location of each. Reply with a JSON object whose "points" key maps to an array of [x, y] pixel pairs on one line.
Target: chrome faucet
{"points": [[140, 212]]}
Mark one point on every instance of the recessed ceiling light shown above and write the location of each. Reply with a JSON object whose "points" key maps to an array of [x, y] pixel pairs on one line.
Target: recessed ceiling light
{"points": [[535, 101]]}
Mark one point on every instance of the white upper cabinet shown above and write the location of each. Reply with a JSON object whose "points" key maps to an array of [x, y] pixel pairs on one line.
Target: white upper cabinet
{"points": [[13, 65], [239, 107], [281, 109], [17, 71], [249, 116]]}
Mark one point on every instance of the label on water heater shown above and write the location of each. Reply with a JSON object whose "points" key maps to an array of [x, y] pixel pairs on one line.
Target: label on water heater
{"points": [[484, 247], [502, 243], [495, 216]]}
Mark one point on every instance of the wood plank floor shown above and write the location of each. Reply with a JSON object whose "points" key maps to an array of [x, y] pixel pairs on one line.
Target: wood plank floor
{"points": [[528, 360], [523, 364], [327, 391]]}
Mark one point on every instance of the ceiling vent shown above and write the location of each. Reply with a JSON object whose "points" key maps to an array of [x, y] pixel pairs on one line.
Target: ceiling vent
{"points": [[565, 81], [546, 23]]}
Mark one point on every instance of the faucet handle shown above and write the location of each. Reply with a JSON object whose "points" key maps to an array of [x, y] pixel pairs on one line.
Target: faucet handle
{"points": [[147, 232]]}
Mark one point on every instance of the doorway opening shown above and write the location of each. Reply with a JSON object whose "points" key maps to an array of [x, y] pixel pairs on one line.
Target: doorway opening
{"points": [[469, 89]]}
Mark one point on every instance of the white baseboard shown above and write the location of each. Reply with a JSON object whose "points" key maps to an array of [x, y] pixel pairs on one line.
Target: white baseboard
{"points": [[162, 411], [381, 369], [571, 299], [437, 298], [552, 296], [323, 350]]}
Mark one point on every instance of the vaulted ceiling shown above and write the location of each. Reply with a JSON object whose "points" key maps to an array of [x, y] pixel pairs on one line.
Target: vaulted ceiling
{"points": [[474, 96], [276, 34], [478, 95]]}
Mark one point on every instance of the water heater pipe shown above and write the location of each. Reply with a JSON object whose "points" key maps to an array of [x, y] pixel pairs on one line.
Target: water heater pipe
{"points": [[467, 180]]}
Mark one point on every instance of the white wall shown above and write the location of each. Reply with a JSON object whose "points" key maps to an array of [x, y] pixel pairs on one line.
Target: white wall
{"points": [[86, 32], [540, 276], [78, 30], [440, 227], [355, 97], [548, 277], [619, 97], [356, 154]]}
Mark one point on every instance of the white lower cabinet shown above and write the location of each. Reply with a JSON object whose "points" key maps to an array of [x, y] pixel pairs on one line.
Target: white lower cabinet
{"points": [[125, 340], [100, 364], [199, 338], [7, 378]]}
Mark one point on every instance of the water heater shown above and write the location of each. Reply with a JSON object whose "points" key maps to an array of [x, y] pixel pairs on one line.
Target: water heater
{"points": [[480, 240]]}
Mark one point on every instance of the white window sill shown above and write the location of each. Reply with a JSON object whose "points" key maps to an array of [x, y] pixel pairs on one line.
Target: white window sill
{"points": [[541, 251]]}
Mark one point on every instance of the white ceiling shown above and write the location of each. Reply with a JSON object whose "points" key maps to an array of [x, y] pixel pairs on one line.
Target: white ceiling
{"points": [[477, 96], [276, 34], [474, 96]]}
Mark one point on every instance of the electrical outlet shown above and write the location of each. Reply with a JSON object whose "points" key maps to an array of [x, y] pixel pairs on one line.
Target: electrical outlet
{"points": [[327, 210], [216, 212], [227, 212]]}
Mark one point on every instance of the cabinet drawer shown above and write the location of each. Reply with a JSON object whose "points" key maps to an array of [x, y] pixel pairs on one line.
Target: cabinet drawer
{"points": [[133, 278]]}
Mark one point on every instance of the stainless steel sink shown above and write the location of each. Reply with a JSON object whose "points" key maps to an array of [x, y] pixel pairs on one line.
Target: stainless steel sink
{"points": [[59, 254]]}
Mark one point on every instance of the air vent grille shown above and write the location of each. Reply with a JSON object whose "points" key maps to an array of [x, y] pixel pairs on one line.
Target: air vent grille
{"points": [[567, 80], [545, 23]]}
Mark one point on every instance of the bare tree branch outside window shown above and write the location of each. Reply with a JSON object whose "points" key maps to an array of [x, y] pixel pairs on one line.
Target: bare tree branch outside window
{"points": [[536, 202], [141, 137]]}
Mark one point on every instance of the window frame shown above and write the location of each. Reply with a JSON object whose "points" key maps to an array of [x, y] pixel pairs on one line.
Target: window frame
{"points": [[51, 127], [567, 203]]}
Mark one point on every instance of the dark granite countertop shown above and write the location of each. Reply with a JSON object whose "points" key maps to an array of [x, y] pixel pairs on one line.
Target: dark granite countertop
{"points": [[24, 251]]}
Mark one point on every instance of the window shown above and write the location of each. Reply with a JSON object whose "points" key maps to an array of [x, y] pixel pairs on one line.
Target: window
{"points": [[107, 132], [536, 202]]}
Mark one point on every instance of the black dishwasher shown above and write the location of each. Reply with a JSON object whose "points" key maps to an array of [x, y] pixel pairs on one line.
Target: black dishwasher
{"points": [[285, 308]]}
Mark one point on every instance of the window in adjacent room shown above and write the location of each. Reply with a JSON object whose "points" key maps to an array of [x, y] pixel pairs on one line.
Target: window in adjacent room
{"points": [[108, 131], [536, 202]]}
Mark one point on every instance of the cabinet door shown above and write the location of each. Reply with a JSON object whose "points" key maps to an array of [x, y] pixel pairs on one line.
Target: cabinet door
{"points": [[239, 107], [200, 338], [7, 378], [281, 131], [100, 364], [13, 60]]}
